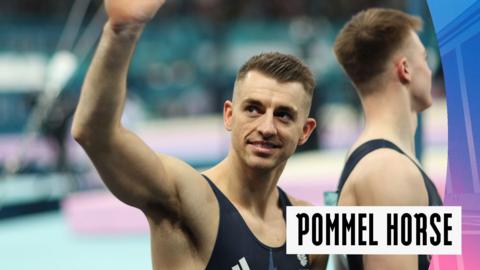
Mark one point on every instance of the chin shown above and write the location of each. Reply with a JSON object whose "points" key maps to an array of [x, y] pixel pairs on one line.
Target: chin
{"points": [[263, 164], [427, 104], [421, 104]]}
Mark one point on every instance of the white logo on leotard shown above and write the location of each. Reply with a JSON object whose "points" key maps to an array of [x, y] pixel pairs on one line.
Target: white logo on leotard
{"points": [[303, 259], [242, 265]]}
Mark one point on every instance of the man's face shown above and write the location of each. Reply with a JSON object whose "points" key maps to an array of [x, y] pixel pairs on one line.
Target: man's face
{"points": [[421, 75], [267, 120]]}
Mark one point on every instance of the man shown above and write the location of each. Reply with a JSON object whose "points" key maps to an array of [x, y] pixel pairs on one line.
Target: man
{"points": [[232, 216], [387, 63]]}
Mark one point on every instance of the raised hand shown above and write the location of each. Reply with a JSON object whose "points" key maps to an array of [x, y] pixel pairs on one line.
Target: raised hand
{"points": [[131, 12]]}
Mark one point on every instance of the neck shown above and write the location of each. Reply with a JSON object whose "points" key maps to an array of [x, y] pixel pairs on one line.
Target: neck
{"points": [[389, 115], [250, 188]]}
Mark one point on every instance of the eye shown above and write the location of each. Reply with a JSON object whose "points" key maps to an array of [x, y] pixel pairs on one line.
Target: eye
{"points": [[284, 116], [252, 109]]}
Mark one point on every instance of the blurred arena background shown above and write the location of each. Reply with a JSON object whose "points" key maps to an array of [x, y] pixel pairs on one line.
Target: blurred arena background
{"points": [[55, 212]]}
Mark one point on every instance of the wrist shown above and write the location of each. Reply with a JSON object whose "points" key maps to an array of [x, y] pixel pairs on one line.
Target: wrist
{"points": [[124, 30]]}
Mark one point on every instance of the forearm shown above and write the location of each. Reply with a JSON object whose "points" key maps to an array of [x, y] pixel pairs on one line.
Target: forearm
{"points": [[103, 93]]}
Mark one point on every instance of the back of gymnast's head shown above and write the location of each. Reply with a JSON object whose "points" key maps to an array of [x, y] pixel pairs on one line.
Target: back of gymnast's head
{"points": [[366, 42]]}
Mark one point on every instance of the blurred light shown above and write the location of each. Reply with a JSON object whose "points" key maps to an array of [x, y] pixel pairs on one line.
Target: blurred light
{"points": [[22, 72]]}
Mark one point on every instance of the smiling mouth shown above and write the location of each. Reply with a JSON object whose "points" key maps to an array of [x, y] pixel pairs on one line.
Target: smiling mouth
{"points": [[264, 144]]}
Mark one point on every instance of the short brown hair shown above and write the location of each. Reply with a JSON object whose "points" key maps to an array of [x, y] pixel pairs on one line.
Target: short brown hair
{"points": [[281, 67], [370, 38]]}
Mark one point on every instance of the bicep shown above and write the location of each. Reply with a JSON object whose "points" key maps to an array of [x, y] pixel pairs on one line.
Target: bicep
{"points": [[392, 262], [160, 185], [132, 171], [318, 262]]}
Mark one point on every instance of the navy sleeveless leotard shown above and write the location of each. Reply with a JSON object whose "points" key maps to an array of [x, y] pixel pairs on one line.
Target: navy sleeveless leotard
{"points": [[355, 261], [237, 248]]}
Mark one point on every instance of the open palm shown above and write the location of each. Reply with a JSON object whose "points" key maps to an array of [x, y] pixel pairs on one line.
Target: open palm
{"points": [[132, 11]]}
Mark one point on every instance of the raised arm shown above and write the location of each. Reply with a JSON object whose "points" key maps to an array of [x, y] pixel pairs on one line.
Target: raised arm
{"points": [[104, 89], [131, 170]]}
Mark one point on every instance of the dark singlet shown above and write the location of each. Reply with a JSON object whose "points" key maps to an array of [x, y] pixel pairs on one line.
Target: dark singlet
{"points": [[237, 248], [355, 262]]}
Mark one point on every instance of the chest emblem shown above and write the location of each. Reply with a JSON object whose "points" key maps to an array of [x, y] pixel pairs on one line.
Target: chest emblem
{"points": [[242, 265], [303, 259]]}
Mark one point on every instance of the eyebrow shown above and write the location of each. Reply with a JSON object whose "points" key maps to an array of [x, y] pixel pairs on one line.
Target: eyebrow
{"points": [[284, 108], [287, 109], [252, 101]]}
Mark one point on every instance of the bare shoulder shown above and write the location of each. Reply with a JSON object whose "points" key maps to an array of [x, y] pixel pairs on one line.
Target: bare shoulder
{"points": [[386, 177]]}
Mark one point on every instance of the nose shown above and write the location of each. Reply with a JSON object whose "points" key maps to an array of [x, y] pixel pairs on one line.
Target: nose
{"points": [[267, 127]]}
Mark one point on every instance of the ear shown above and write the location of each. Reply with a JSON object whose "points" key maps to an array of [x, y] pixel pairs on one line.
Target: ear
{"points": [[403, 70], [227, 115], [307, 130]]}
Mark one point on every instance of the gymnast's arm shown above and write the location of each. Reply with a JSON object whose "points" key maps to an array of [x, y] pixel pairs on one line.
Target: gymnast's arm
{"points": [[317, 261], [387, 178], [131, 170]]}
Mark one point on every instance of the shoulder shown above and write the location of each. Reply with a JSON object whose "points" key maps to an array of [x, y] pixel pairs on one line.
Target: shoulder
{"points": [[386, 177]]}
